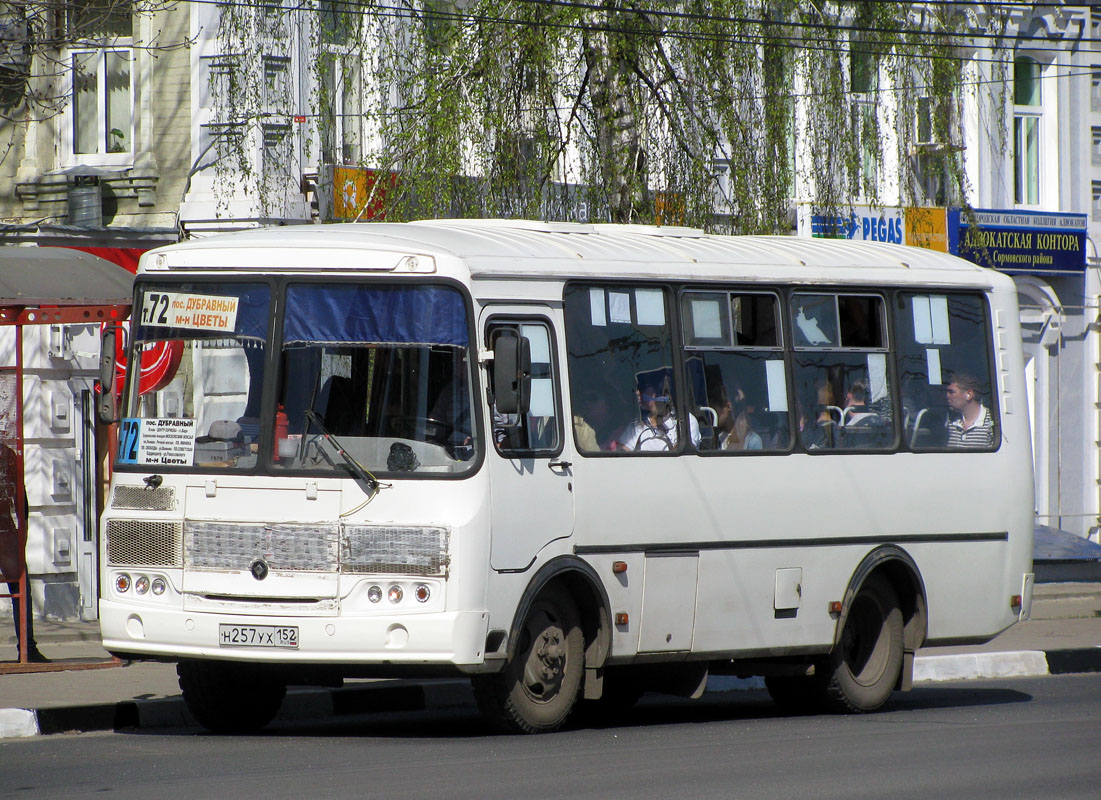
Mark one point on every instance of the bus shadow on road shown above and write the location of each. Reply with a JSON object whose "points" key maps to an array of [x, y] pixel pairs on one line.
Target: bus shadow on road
{"points": [[463, 721]]}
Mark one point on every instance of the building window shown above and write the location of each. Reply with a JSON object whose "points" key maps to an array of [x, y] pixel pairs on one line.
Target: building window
{"points": [[867, 130], [1097, 200], [272, 17], [343, 104], [1095, 88], [1027, 112], [338, 22], [225, 139], [276, 83], [276, 154], [102, 102], [224, 82], [864, 84], [1095, 149]]}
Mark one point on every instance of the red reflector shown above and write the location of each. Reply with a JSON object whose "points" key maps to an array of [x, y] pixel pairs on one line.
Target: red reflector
{"points": [[835, 606], [619, 567], [620, 618], [1015, 601]]}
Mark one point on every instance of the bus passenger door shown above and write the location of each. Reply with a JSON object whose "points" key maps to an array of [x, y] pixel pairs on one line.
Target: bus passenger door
{"points": [[529, 458]]}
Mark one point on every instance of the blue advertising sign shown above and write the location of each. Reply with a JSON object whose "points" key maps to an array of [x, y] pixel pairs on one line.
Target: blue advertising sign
{"points": [[862, 223], [1019, 241]]}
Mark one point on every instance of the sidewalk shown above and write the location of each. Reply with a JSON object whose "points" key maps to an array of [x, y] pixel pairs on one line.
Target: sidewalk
{"points": [[88, 691]]}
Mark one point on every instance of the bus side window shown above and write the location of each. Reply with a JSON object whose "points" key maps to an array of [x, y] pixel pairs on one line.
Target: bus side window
{"points": [[537, 429], [623, 391], [736, 373], [944, 370], [842, 383]]}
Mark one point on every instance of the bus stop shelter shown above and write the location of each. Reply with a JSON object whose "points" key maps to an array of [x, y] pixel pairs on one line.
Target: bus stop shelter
{"points": [[40, 286]]}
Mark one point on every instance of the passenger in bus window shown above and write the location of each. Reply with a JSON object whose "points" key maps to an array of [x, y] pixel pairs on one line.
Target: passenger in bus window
{"points": [[970, 423], [857, 411], [656, 427], [590, 416], [735, 430], [818, 429]]}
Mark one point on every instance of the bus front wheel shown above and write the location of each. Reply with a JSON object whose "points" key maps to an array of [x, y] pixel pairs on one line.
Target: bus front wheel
{"points": [[864, 667], [537, 690], [227, 697]]}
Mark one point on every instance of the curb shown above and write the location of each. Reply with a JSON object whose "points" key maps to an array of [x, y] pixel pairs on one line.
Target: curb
{"points": [[171, 712], [311, 703]]}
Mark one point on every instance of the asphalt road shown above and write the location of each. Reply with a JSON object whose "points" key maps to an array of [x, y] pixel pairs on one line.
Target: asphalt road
{"points": [[1027, 738]]}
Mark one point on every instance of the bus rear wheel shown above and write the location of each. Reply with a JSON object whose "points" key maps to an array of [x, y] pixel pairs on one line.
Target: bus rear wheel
{"points": [[864, 667], [226, 697], [537, 690]]}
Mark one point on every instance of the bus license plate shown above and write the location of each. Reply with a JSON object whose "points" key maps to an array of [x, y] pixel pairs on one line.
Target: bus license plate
{"points": [[258, 636]]}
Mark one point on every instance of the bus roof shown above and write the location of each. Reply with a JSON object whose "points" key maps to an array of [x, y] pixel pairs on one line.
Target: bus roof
{"points": [[520, 249]]}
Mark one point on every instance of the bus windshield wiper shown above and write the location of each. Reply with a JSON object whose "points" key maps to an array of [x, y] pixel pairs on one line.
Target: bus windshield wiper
{"points": [[356, 468]]}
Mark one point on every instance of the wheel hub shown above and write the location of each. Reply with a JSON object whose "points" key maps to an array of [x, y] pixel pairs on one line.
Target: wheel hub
{"points": [[545, 664]]}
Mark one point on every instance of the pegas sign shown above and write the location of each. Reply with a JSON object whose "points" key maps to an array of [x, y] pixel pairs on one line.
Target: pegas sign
{"points": [[861, 223]]}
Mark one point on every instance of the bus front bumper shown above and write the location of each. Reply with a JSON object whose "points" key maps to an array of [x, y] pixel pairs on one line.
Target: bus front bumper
{"points": [[456, 638]]}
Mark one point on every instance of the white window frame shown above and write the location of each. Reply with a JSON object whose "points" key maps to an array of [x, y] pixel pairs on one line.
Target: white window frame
{"points": [[344, 111], [1025, 116], [68, 142], [864, 106]]}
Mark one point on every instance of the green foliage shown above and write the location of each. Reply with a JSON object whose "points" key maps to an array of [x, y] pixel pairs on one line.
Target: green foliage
{"points": [[698, 110]]}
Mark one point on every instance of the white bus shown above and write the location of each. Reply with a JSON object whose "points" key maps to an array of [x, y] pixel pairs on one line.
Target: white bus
{"points": [[572, 462]]}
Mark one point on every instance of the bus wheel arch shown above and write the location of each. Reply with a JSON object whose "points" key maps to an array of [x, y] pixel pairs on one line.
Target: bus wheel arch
{"points": [[881, 625], [560, 632]]}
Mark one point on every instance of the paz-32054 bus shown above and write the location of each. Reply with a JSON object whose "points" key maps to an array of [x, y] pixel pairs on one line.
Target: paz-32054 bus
{"points": [[572, 462]]}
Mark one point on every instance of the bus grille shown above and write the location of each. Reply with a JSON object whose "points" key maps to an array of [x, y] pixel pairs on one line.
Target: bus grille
{"points": [[394, 550], [163, 498], [222, 545], [143, 543]]}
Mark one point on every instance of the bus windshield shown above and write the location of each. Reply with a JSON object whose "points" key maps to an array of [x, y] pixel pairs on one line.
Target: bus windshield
{"points": [[196, 399], [378, 371]]}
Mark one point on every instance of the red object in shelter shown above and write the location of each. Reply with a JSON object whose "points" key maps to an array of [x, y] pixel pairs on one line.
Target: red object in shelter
{"points": [[159, 362]]}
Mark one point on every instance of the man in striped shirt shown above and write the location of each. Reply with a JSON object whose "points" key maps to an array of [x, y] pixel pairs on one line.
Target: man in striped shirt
{"points": [[971, 424]]}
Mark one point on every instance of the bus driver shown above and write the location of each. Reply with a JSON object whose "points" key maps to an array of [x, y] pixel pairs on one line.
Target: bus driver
{"points": [[656, 427]]}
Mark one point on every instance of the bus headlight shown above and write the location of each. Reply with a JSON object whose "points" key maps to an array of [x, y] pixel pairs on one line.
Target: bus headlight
{"points": [[141, 585], [122, 583], [159, 586], [374, 594], [395, 594], [422, 593]]}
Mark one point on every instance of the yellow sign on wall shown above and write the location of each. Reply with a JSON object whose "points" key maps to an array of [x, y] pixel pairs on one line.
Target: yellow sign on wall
{"points": [[360, 194], [928, 228]]}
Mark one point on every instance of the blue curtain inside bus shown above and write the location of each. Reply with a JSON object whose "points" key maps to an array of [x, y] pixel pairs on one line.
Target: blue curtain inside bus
{"points": [[350, 314]]}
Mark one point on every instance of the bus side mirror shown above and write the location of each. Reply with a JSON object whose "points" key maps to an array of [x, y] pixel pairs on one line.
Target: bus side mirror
{"points": [[511, 373], [105, 409]]}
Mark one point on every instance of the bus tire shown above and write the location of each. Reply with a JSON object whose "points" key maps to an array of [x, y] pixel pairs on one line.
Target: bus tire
{"points": [[227, 697], [538, 688], [864, 666]]}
